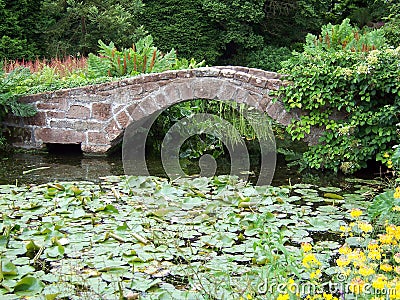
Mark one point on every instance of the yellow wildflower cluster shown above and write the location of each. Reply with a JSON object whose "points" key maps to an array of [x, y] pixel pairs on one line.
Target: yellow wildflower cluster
{"points": [[373, 269], [396, 194], [324, 296]]}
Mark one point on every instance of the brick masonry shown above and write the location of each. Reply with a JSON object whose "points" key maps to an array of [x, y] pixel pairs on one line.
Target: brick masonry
{"points": [[95, 116]]}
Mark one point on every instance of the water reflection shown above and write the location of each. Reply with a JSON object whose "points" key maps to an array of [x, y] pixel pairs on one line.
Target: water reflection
{"points": [[41, 168], [26, 168]]}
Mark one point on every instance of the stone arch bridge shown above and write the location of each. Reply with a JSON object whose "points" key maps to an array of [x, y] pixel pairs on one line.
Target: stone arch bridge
{"points": [[95, 116]]}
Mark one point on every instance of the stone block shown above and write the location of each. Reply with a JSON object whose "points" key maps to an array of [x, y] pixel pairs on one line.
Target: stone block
{"points": [[37, 120], [274, 84], [95, 149], [112, 130], [101, 111], [241, 76], [258, 81], [54, 104], [206, 88], [185, 74], [123, 119], [227, 73], [227, 91], [58, 136], [55, 114], [97, 138], [275, 110], [241, 96], [78, 112], [207, 72], [171, 92]]}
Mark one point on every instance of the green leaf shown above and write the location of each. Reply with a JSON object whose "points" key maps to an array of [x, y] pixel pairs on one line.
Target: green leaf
{"points": [[8, 268], [28, 286]]}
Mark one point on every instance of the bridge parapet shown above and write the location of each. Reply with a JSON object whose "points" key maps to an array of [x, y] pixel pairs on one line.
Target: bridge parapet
{"points": [[95, 116]]}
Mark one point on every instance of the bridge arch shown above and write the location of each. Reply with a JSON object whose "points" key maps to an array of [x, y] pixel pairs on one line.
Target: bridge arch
{"points": [[96, 116]]}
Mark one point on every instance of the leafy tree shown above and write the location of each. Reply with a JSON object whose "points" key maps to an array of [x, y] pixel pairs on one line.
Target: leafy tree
{"points": [[71, 26], [238, 23], [17, 29], [184, 26]]}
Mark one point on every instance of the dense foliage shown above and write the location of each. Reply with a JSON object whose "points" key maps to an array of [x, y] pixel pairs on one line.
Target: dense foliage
{"points": [[214, 30], [49, 28], [346, 81]]}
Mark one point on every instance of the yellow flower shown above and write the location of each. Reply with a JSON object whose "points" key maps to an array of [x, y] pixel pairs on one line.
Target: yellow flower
{"points": [[386, 155], [249, 297], [355, 213], [389, 164], [366, 271], [379, 282], [283, 297], [357, 257], [315, 274], [364, 226], [397, 193], [396, 208], [396, 257], [344, 250], [306, 247], [374, 254], [394, 232], [357, 285], [385, 239], [344, 229], [342, 261], [329, 297], [309, 260], [386, 267], [373, 245]]}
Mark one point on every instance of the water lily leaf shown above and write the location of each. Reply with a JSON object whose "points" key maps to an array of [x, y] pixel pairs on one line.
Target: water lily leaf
{"points": [[55, 251], [161, 212], [328, 209], [354, 241], [303, 186], [306, 191], [8, 268], [32, 246], [28, 285], [330, 189], [144, 284], [109, 208], [333, 196], [78, 213]]}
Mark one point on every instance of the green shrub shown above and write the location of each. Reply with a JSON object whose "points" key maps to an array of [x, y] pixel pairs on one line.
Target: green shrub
{"points": [[143, 57], [348, 89], [269, 58]]}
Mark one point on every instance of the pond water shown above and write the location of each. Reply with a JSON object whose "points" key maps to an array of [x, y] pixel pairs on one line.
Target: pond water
{"points": [[42, 167]]}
